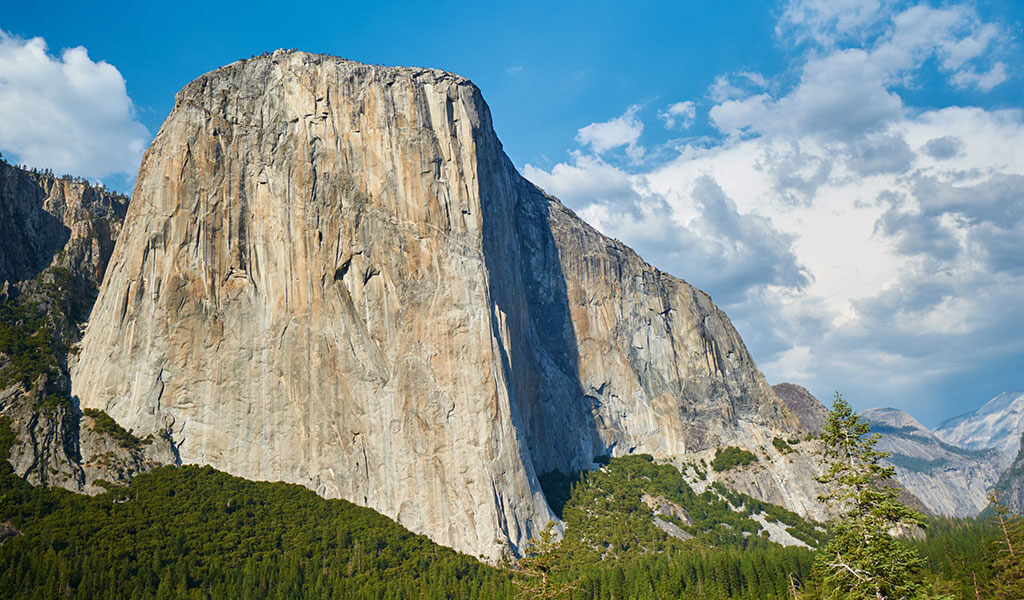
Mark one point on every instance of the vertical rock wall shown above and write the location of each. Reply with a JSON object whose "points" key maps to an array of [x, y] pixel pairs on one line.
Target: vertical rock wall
{"points": [[330, 274]]}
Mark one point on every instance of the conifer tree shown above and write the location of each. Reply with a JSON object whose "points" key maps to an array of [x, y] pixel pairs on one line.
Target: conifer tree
{"points": [[862, 560], [1008, 555], [538, 566]]}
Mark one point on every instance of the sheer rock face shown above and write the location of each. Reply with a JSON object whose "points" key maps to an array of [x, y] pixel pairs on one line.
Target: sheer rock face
{"points": [[1011, 482], [42, 215], [330, 274]]}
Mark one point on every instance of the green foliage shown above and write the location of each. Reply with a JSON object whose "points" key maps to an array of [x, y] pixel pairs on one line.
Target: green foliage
{"points": [[914, 463], [7, 439], [796, 525], [781, 445], [1007, 552], [606, 516], [105, 424], [613, 549], [862, 560], [730, 457], [557, 488], [954, 554], [26, 341], [194, 532]]}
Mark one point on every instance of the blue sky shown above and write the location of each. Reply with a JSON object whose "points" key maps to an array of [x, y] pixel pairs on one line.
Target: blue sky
{"points": [[844, 177]]}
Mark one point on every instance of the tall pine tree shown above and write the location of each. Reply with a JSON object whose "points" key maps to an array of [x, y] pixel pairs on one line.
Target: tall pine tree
{"points": [[862, 560]]}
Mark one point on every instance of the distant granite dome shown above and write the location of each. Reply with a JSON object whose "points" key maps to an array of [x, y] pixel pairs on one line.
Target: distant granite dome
{"points": [[949, 480], [998, 424], [331, 274]]}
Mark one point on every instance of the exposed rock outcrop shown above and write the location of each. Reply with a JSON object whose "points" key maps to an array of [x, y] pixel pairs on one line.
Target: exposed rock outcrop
{"points": [[1011, 483], [331, 274], [808, 409], [56, 236], [949, 480]]}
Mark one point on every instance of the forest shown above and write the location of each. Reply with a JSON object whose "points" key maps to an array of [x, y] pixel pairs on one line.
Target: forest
{"points": [[194, 532]]}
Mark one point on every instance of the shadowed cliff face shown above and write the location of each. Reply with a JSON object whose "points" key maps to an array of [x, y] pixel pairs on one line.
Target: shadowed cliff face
{"points": [[56, 237], [1011, 483], [330, 274]]}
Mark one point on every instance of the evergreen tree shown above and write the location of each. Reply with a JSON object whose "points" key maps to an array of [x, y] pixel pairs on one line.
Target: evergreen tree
{"points": [[862, 560], [538, 566], [1008, 555]]}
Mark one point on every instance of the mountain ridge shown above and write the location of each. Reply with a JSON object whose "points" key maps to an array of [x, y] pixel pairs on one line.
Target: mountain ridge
{"points": [[949, 480], [997, 424]]}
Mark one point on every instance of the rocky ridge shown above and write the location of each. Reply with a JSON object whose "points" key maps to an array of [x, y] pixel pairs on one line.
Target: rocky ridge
{"points": [[331, 274], [56, 236], [949, 480], [811, 413]]}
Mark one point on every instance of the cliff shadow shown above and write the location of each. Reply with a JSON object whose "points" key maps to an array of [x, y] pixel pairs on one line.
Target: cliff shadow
{"points": [[552, 414]]}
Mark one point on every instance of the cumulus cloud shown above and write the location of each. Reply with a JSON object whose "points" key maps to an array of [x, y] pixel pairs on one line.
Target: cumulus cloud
{"points": [[678, 114], [839, 95], [66, 113], [624, 130], [711, 240], [982, 81], [898, 40], [942, 148], [827, 21], [739, 85], [858, 242]]}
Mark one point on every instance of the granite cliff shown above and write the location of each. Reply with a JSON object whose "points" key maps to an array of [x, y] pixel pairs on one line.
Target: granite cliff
{"points": [[56, 236], [331, 274], [1011, 483]]}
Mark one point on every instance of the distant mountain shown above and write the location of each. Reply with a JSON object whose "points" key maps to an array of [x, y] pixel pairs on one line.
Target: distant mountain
{"points": [[949, 480], [807, 408], [997, 424]]}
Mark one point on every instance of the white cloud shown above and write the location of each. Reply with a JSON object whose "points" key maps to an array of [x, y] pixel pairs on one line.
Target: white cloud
{"points": [[827, 21], [898, 41], [697, 230], [858, 243], [678, 114], [982, 81], [738, 85], [69, 114], [839, 95], [624, 130]]}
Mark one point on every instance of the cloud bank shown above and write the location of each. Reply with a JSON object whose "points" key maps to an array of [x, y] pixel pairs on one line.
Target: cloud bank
{"points": [[858, 242], [68, 113]]}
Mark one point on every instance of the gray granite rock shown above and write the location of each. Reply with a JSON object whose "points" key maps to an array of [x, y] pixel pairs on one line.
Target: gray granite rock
{"points": [[56, 236], [948, 480], [331, 274]]}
